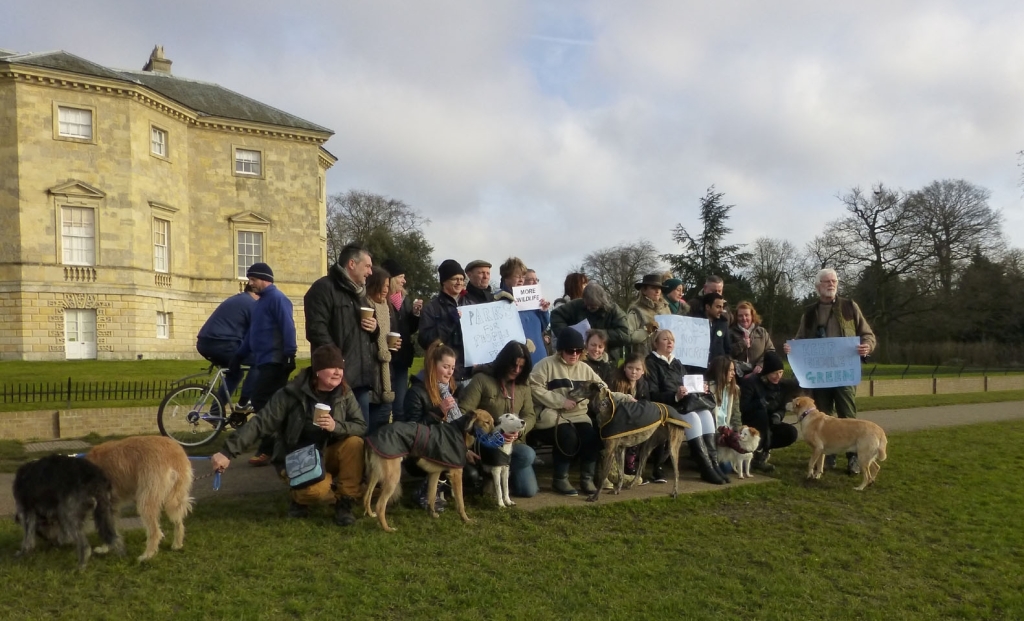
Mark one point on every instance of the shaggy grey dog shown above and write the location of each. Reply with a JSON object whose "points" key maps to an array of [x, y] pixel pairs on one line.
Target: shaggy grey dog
{"points": [[55, 494]]}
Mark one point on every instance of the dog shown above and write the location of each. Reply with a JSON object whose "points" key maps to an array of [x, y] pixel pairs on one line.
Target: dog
{"points": [[621, 425], [497, 461], [828, 435], [736, 448], [155, 472], [438, 448], [53, 496]]}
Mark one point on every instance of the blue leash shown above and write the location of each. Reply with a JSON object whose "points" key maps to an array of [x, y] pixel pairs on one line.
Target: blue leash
{"points": [[216, 475]]}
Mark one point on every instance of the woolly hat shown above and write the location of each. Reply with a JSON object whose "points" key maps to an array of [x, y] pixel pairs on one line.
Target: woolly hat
{"points": [[261, 271], [327, 357], [670, 284], [448, 269], [570, 338], [771, 364], [393, 267]]}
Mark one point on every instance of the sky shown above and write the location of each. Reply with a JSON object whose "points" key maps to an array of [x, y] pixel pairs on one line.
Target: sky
{"points": [[548, 130]]}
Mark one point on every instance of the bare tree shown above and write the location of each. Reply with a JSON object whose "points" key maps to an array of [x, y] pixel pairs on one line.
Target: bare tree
{"points": [[706, 253], [619, 267], [773, 265], [956, 222], [389, 228]]}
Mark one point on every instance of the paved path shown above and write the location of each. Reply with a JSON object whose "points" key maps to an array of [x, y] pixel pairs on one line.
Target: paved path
{"points": [[240, 478]]}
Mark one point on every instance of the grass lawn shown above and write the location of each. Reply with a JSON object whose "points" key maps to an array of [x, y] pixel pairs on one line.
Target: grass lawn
{"points": [[937, 537]]}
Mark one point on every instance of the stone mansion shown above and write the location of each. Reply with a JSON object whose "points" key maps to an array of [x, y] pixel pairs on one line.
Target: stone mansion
{"points": [[132, 203]]}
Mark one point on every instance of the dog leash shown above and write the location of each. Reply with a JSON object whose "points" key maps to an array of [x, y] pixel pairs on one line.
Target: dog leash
{"points": [[215, 475]]}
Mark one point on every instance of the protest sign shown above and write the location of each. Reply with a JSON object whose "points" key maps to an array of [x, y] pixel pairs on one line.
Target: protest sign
{"points": [[693, 383], [825, 363], [527, 297], [693, 338], [487, 328]]}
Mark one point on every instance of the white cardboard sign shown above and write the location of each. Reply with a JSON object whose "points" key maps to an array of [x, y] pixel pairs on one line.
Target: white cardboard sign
{"points": [[487, 328], [693, 338], [527, 297]]}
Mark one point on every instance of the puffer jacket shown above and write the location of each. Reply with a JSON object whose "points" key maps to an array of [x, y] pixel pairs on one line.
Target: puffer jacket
{"points": [[439, 320], [417, 407], [332, 316], [288, 415]]}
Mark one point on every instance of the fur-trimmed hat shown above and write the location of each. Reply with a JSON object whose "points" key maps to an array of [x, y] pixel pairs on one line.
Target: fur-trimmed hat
{"points": [[394, 268], [448, 269], [261, 271], [771, 364], [327, 357]]}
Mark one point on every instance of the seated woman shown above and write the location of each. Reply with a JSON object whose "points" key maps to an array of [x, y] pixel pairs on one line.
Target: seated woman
{"points": [[502, 388], [749, 339], [561, 422], [723, 386], [665, 383], [291, 418], [596, 357], [628, 379], [763, 398]]}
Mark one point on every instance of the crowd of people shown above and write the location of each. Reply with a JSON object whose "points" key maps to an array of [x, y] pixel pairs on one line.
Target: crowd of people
{"points": [[361, 326]]}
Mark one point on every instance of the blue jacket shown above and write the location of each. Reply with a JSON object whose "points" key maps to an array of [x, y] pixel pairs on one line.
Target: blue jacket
{"points": [[230, 321], [534, 322], [271, 335]]}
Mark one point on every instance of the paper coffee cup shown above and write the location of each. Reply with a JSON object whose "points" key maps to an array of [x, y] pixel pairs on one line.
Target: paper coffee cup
{"points": [[393, 339], [366, 312], [322, 407]]}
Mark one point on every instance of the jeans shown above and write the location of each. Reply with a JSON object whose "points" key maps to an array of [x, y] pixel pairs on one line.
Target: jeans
{"points": [[399, 384], [362, 396], [220, 352], [522, 481]]}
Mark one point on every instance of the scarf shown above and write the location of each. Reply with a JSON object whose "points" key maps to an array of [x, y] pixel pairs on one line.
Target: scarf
{"points": [[396, 300], [383, 314], [453, 414], [674, 307]]}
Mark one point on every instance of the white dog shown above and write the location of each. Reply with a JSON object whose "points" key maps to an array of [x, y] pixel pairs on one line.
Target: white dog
{"points": [[737, 448], [497, 461]]}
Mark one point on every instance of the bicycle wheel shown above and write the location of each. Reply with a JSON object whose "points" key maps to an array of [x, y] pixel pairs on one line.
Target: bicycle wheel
{"points": [[191, 415]]}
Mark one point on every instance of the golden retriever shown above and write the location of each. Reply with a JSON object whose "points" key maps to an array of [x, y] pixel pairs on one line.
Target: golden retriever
{"points": [[828, 435], [155, 472]]}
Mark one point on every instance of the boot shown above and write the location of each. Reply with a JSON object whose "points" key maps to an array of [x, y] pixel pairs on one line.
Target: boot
{"points": [[712, 448], [699, 453], [830, 462], [295, 510], [343, 512], [760, 462], [560, 480], [587, 477], [421, 497], [852, 464]]}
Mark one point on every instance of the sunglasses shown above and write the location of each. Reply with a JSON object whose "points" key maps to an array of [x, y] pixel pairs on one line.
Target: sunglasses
{"points": [[576, 351]]}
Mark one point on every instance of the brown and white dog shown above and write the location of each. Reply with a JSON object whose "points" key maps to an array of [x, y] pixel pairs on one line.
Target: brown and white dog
{"points": [[155, 472], [438, 448], [829, 435], [736, 448]]}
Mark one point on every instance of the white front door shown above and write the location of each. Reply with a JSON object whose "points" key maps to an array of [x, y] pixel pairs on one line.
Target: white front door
{"points": [[79, 334]]}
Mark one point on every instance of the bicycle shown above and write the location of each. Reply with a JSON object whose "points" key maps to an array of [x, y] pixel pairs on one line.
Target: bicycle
{"points": [[193, 414]]}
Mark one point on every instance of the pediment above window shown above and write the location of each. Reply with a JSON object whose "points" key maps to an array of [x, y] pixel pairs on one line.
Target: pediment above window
{"points": [[249, 217], [77, 189]]}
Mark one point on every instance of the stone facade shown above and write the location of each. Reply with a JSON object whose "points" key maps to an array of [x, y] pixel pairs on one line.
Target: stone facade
{"points": [[165, 222]]}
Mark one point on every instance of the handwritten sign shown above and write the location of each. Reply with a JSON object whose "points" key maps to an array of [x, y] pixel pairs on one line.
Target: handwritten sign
{"points": [[487, 328], [693, 338], [825, 363], [527, 297]]}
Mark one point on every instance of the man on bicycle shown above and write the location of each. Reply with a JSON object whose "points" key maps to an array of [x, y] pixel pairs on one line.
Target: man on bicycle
{"points": [[222, 335], [271, 341]]}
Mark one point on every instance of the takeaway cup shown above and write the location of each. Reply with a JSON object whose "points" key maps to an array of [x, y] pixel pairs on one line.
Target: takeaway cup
{"points": [[393, 338]]}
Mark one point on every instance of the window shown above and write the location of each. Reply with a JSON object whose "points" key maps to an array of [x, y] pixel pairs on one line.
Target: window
{"points": [[163, 325], [74, 122], [158, 141], [250, 250], [247, 162], [78, 233], [161, 235]]}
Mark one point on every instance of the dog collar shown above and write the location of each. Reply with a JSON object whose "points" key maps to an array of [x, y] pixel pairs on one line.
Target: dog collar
{"points": [[806, 412]]}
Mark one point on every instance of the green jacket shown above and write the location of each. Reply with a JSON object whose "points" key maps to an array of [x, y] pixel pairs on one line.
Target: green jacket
{"points": [[291, 409], [483, 392], [846, 319], [612, 321]]}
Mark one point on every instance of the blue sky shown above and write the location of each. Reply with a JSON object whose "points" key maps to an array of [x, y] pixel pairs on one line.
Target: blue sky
{"points": [[550, 129]]}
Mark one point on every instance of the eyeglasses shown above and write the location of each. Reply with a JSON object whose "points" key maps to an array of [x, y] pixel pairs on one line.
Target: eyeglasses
{"points": [[576, 351], [457, 281]]}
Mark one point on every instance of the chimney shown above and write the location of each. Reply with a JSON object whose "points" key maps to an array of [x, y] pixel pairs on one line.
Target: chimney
{"points": [[157, 62]]}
